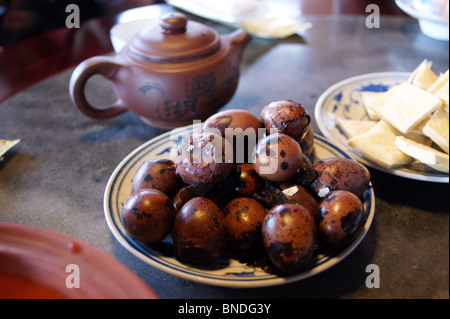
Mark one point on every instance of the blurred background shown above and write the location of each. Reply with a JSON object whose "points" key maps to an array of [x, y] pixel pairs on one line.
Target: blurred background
{"points": [[20, 19]]}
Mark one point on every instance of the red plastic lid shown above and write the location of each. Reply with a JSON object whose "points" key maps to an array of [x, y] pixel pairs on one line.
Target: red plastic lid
{"points": [[40, 264]]}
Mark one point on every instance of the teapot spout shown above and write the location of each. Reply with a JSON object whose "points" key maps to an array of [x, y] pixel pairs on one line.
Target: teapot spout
{"points": [[238, 39]]}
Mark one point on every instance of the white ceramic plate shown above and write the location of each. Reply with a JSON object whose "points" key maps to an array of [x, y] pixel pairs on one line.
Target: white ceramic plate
{"points": [[225, 271], [343, 100], [427, 14]]}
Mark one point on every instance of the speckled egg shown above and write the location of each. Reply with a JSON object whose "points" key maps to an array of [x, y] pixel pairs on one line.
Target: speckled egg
{"points": [[232, 119], [341, 217], [156, 174], [240, 127], [289, 236], [244, 217], [148, 215], [188, 192], [287, 117], [199, 231], [298, 194], [277, 157], [337, 173], [203, 158]]}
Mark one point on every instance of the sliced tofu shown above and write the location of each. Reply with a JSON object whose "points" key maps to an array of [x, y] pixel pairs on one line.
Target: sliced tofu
{"points": [[418, 129], [442, 93], [425, 77], [424, 64], [441, 89], [439, 83], [418, 137], [424, 154], [437, 129], [367, 98], [404, 106], [413, 121], [378, 146], [352, 128]]}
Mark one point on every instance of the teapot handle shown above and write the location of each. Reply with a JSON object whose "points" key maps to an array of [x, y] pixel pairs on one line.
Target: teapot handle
{"points": [[105, 66]]}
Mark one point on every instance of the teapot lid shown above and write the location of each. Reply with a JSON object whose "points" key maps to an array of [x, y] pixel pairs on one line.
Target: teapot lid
{"points": [[174, 39]]}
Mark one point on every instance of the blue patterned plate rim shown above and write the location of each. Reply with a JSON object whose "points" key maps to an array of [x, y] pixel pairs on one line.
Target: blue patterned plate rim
{"points": [[226, 271]]}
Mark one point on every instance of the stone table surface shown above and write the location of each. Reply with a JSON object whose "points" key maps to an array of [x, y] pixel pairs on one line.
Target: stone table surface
{"points": [[56, 176]]}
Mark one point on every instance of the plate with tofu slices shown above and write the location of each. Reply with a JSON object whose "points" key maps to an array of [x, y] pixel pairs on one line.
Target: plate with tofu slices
{"points": [[396, 122]]}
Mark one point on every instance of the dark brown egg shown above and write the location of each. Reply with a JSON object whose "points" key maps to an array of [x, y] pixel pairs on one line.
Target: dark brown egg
{"points": [[232, 119], [246, 181], [240, 128], [277, 157], [199, 231], [337, 173], [289, 236], [341, 217], [203, 158], [286, 117], [188, 192], [244, 217], [297, 194], [148, 215], [157, 174]]}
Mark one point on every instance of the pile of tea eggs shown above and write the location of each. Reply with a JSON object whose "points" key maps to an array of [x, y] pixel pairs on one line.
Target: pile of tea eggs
{"points": [[265, 194]]}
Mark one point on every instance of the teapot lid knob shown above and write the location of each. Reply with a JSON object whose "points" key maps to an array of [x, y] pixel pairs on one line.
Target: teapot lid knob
{"points": [[173, 23]]}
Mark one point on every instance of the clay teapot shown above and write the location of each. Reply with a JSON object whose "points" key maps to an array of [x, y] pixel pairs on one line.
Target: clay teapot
{"points": [[170, 73]]}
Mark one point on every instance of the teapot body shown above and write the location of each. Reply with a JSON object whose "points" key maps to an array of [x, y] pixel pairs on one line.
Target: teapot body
{"points": [[169, 75], [175, 94]]}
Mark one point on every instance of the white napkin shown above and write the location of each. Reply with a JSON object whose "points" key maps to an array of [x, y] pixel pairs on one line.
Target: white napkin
{"points": [[251, 15]]}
